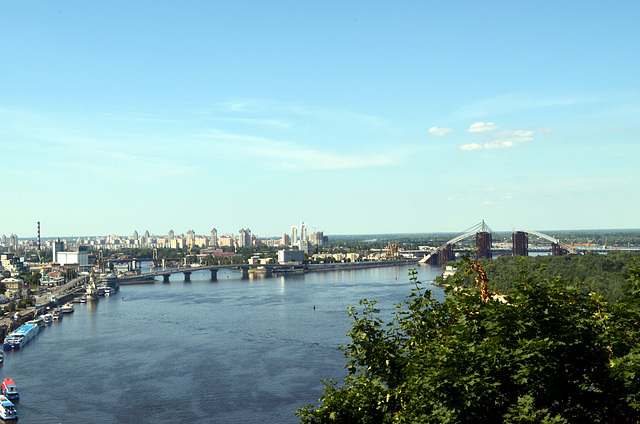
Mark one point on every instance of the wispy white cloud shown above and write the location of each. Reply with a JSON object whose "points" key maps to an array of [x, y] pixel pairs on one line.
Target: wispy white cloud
{"points": [[471, 146], [482, 127], [288, 155], [290, 109], [506, 139], [517, 102], [439, 132], [276, 123]]}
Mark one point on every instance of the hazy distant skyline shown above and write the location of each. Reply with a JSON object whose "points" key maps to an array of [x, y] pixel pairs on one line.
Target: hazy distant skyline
{"points": [[360, 117]]}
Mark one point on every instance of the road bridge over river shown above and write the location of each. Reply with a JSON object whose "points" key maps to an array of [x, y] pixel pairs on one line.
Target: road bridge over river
{"points": [[268, 270], [187, 271]]}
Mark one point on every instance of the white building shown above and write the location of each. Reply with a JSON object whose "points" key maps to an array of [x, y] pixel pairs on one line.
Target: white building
{"points": [[290, 256], [57, 246], [303, 231], [73, 258]]}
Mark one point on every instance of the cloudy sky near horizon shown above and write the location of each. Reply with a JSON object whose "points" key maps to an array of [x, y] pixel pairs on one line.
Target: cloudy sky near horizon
{"points": [[358, 118]]}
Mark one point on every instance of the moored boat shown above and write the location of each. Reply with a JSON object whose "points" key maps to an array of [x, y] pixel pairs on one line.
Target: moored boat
{"points": [[7, 409], [9, 389], [110, 280], [39, 321], [67, 308], [21, 336]]}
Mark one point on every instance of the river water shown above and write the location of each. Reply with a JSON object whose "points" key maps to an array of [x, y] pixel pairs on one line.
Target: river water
{"points": [[227, 351]]}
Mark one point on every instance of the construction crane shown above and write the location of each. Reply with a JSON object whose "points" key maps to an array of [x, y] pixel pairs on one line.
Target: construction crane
{"points": [[582, 244], [392, 250]]}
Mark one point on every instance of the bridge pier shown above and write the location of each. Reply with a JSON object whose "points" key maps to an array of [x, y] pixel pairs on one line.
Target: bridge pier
{"points": [[166, 277], [214, 274], [245, 271], [187, 275], [269, 271]]}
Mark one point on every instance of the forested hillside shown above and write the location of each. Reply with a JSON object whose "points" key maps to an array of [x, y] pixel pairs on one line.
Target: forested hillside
{"points": [[605, 275], [547, 353]]}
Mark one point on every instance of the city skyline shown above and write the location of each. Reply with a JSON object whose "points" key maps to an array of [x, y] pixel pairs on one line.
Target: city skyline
{"points": [[367, 117], [213, 233]]}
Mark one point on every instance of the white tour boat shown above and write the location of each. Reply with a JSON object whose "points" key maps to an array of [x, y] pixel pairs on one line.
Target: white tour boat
{"points": [[7, 409], [21, 336]]}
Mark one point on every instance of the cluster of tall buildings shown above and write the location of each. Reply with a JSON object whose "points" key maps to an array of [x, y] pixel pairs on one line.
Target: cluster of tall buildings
{"points": [[298, 238], [306, 241], [11, 242]]}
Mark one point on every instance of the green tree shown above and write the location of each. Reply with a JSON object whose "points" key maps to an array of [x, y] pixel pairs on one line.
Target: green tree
{"points": [[545, 353]]}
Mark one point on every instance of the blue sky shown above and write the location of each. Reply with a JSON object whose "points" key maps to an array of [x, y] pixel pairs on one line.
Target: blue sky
{"points": [[356, 117]]}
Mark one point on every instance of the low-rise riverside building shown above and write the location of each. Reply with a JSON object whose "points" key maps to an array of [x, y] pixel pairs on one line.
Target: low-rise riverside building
{"points": [[290, 256], [15, 287]]}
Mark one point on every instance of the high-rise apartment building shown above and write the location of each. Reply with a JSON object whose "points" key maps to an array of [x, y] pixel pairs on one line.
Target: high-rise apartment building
{"points": [[57, 246], [244, 237], [294, 235], [316, 238], [214, 238], [303, 231]]}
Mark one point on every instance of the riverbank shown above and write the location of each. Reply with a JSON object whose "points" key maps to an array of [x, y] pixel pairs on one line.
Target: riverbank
{"points": [[65, 293], [359, 265]]}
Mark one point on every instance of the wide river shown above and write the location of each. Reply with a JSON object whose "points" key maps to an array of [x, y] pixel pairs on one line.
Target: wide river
{"points": [[227, 351]]}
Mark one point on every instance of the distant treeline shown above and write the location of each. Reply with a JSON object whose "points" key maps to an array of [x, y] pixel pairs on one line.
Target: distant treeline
{"points": [[604, 274], [610, 238]]}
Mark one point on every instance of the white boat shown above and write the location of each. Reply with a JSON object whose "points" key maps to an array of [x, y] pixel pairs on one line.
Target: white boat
{"points": [[47, 318], [56, 315], [7, 409], [108, 291], [21, 336], [39, 321], [110, 280], [67, 308]]}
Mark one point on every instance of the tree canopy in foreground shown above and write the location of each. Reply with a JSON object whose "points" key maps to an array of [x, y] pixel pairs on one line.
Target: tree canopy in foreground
{"points": [[545, 353]]}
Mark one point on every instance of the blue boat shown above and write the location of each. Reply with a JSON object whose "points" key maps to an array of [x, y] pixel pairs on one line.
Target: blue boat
{"points": [[21, 336]]}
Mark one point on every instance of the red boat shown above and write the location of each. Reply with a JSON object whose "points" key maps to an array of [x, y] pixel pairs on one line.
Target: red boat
{"points": [[9, 389]]}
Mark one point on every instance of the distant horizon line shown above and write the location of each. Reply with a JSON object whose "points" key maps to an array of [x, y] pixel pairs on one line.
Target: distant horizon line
{"points": [[354, 234]]}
